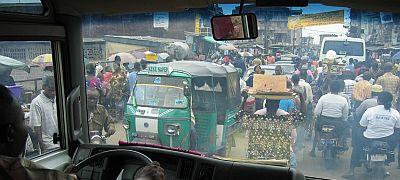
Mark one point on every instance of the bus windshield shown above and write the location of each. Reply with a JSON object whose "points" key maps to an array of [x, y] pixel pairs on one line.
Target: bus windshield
{"points": [[344, 48], [182, 80]]}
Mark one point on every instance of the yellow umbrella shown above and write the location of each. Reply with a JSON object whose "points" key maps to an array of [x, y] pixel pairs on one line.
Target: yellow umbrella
{"points": [[43, 60]]}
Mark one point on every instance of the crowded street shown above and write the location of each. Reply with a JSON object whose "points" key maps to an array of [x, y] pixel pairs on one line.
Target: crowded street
{"points": [[318, 90]]}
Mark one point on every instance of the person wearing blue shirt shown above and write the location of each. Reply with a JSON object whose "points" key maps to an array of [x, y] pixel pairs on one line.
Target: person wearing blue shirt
{"points": [[133, 76], [287, 105]]}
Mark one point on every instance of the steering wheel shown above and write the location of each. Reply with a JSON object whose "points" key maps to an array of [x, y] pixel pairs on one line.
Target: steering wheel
{"points": [[112, 153]]}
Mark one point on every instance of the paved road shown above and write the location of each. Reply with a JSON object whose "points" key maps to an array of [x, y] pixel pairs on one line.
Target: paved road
{"points": [[308, 165], [311, 166]]}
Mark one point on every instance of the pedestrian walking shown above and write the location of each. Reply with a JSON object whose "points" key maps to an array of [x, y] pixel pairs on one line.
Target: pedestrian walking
{"points": [[43, 115], [389, 82], [362, 90], [118, 92]]}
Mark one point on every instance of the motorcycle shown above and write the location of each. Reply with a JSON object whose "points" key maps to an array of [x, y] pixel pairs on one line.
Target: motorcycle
{"points": [[376, 156], [329, 145], [96, 137]]}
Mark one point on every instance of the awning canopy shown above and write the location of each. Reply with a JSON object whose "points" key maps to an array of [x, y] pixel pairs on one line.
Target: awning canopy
{"points": [[200, 68], [7, 62]]}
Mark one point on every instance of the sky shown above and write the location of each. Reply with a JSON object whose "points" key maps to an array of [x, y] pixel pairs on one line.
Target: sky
{"points": [[313, 31]]}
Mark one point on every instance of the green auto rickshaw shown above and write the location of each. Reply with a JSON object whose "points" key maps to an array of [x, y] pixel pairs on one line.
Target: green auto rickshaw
{"points": [[169, 98]]}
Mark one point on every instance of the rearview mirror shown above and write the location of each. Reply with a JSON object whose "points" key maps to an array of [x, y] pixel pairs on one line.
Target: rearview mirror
{"points": [[234, 27]]}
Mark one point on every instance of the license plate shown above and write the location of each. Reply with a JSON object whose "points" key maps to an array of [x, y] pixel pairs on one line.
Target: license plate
{"points": [[378, 157]]}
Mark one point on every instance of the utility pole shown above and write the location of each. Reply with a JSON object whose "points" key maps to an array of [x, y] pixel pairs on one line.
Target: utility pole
{"points": [[301, 42], [293, 39], [265, 35]]}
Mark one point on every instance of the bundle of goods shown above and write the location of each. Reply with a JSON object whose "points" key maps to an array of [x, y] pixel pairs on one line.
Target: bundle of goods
{"points": [[337, 64], [271, 87], [270, 137]]}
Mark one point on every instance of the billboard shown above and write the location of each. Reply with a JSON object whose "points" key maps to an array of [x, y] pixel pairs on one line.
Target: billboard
{"points": [[386, 17], [197, 24], [161, 19], [306, 20]]}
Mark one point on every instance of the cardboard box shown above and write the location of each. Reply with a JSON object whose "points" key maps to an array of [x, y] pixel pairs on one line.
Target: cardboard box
{"points": [[269, 83]]}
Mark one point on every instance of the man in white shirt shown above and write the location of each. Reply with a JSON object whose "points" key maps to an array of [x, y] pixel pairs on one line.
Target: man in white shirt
{"points": [[43, 115], [301, 130], [349, 84], [331, 109], [13, 137]]}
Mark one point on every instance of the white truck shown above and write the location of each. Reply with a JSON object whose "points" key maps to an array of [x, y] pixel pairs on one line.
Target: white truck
{"points": [[345, 48]]}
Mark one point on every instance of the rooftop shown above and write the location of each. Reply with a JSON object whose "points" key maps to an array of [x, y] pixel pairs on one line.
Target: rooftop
{"points": [[146, 38]]}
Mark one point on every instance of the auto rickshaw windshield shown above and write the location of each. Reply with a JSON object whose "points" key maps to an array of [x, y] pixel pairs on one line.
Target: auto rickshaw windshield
{"points": [[163, 92]]}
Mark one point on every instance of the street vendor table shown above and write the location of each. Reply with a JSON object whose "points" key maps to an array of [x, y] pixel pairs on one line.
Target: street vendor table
{"points": [[270, 136]]}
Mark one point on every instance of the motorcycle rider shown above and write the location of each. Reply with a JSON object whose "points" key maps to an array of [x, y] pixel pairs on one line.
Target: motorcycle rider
{"points": [[380, 123], [357, 131], [331, 109], [98, 118]]}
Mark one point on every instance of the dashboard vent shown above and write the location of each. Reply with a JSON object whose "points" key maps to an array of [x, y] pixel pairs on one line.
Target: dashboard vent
{"points": [[206, 172], [186, 169]]}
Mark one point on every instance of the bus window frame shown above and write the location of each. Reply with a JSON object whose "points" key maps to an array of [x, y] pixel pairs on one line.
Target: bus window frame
{"points": [[54, 34]]}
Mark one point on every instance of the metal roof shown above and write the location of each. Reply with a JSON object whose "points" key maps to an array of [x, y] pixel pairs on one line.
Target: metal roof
{"points": [[201, 68]]}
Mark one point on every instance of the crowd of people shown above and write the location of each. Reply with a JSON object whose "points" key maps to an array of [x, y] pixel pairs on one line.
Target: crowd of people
{"points": [[363, 98], [106, 88], [108, 92]]}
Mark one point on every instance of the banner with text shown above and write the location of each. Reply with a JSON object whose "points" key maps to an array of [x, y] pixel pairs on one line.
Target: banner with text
{"points": [[161, 19], [197, 24], [306, 20]]}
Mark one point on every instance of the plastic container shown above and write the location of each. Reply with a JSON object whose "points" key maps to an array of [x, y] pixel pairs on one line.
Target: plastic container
{"points": [[16, 90]]}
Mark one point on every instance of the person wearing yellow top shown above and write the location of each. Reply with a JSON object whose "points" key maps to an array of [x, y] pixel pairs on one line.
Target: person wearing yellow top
{"points": [[362, 89], [389, 82]]}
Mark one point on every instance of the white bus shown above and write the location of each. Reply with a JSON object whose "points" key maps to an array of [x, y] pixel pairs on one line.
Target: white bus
{"points": [[345, 48]]}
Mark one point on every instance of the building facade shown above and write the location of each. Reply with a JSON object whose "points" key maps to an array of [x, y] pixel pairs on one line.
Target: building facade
{"points": [[272, 26], [175, 23], [377, 29]]}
